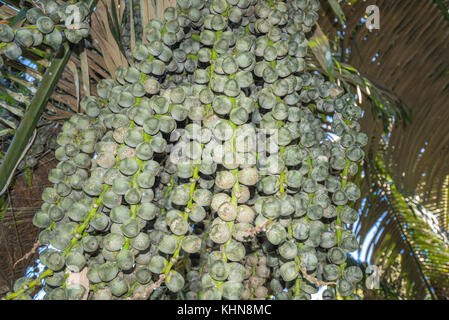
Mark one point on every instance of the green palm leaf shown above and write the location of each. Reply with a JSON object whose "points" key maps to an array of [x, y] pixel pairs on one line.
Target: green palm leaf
{"points": [[33, 113]]}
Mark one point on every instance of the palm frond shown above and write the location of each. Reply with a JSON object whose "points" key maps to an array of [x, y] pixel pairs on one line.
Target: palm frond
{"points": [[34, 110], [407, 233], [103, 37], [405, 190]]}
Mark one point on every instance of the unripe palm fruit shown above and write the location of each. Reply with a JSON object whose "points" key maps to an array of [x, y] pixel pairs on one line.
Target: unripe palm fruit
{"points": [[6, 33]]}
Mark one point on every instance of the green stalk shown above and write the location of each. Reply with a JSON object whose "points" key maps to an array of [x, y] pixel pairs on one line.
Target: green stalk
{"points": [[344, 176], [298, 286], [31, 284], [234, 201], [89, 218], [345, 179], [282, 189], [186, 217]]}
